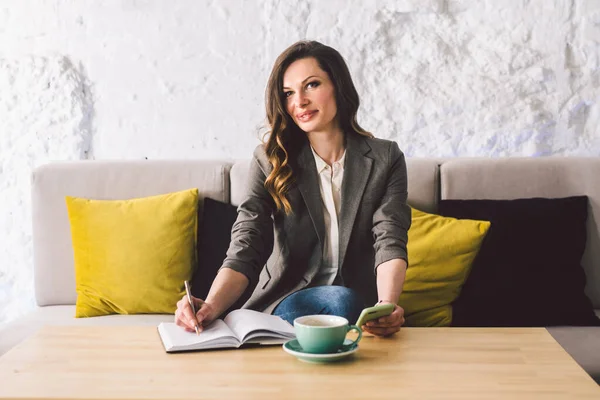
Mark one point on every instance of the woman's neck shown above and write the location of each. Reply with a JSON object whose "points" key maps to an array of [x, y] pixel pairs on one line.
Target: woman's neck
{"points": [[330, 146]]}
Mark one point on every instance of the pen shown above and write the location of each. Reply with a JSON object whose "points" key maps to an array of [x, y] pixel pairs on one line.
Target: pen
{"points": [[189, 296]]}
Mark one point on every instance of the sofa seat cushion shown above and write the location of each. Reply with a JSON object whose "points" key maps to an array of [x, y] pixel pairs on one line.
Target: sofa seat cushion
{"points": [[582, 343], [16, 331]]}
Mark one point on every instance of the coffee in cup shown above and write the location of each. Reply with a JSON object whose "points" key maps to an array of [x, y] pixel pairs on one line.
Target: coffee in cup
{"points": [[323, 334]]}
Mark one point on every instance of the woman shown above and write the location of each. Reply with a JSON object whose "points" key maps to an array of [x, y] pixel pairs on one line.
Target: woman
{"points": [[323, 227]]}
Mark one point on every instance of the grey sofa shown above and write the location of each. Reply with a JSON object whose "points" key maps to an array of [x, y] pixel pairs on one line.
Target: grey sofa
{"points": [[429, 181]]}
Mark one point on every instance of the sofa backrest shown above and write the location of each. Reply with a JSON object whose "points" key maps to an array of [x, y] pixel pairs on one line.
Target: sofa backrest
{"points": [[428, 180], [423, 182], [103, 180], [550, 177]]}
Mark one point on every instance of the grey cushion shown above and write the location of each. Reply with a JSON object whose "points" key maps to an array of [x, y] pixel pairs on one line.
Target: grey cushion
{"points": [[53, 251], [18, 330]]}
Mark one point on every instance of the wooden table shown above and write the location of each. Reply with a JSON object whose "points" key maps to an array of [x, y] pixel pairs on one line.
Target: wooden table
{"points": [[418, 363]]}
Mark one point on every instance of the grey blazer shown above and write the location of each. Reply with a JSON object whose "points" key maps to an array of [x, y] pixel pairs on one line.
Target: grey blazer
{"points": [[281, 254]]}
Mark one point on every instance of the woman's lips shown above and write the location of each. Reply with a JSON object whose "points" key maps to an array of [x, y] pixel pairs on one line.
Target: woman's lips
{"points": [[305, 116]]}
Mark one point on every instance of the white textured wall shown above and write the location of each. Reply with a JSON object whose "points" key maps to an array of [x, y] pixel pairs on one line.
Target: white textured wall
{"points": [[185, 79]]}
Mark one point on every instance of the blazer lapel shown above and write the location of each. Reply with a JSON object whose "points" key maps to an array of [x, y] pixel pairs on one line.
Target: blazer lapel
{"points": [[357, 169], [307, 181]]}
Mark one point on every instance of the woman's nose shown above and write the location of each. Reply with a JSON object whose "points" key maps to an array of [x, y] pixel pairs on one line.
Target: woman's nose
{"points": [[302, 100]]}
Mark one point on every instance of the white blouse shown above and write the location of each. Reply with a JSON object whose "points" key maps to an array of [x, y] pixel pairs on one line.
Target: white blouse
{"points": [[330, 183]]}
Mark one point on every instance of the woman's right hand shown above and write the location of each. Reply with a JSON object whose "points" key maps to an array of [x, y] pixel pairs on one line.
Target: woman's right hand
{"points": [[185, 318]]}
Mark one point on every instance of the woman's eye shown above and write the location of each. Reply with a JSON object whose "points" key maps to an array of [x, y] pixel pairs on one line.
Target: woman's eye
{"points": [[287, 94], [313, 84]]}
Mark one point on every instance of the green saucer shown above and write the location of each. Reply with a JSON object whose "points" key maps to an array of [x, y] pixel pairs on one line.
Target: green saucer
{"points": [[293, 347]]}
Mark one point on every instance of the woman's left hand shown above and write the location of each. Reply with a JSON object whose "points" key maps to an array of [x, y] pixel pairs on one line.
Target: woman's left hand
{"points": [[387, 325]]}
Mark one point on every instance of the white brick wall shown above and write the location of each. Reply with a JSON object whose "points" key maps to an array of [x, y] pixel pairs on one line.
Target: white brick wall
{"points": [[185, 79]]}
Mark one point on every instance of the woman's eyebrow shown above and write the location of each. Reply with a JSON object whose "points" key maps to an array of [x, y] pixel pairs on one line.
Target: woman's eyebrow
{"points": [[312, 76]]}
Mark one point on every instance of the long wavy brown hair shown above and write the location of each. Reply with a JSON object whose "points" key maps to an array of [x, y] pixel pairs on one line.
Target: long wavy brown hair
{"points": [[284, 138]]}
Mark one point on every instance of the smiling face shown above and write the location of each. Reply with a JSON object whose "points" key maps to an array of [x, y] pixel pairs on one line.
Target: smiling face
{"points": [[310, 96]]}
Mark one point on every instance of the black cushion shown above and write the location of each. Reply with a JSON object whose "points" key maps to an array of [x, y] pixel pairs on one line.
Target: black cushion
{"points": [[528, 271], [214, 235]]}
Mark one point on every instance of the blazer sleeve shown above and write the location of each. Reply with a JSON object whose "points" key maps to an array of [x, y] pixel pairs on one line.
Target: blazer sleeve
{"points": [[392, 218], [252, 233]]}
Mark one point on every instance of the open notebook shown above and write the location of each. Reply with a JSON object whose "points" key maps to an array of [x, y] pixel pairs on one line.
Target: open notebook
{"points": [[239, 327]]}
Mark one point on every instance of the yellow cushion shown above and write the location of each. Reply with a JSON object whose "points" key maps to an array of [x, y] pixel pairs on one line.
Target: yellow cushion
{"points": [[132, 256], [441, 251]]}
